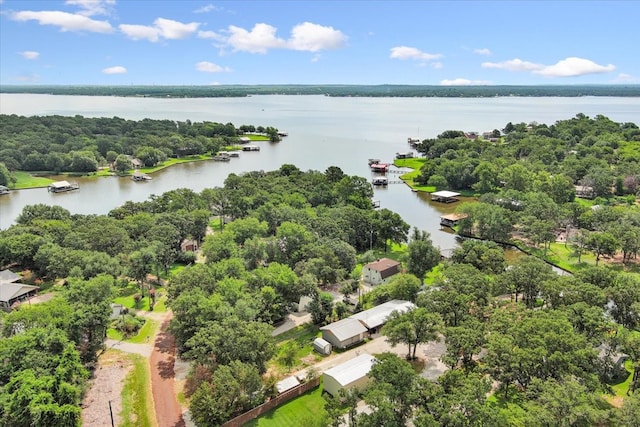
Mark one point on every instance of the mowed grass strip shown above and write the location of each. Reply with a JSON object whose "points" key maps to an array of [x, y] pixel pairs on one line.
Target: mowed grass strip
{"points": [[26, 180], [137, 402], [295, 413]]}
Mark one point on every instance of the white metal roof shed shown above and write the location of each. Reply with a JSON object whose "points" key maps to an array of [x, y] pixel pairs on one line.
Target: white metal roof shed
{"points": [[377, 316], [352, 370]]}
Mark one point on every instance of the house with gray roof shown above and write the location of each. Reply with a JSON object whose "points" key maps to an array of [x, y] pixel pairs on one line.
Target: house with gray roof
{"points": [[11, 291], [344, 333]]}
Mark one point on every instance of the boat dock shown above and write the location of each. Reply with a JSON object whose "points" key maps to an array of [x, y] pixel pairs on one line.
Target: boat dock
{"points": [[445, 196], [62, 186], [250, 148], [139, 176], [451, 220]]}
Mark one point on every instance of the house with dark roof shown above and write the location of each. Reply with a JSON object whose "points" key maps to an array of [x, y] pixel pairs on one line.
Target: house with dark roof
{"points": [[380, 271]]}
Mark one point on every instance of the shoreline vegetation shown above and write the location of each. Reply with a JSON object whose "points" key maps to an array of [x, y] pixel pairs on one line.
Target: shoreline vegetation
{"points": [[384, 90]]}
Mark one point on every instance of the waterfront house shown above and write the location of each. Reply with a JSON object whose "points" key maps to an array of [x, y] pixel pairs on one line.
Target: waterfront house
{"points": [[380, 271]]}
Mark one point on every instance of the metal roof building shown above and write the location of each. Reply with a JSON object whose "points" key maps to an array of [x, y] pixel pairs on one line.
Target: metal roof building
{"points": [[351, 374], [377, 316], [344, 333]]}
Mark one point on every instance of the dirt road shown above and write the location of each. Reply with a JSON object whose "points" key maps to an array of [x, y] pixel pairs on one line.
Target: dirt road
{"points": [[168, 411]]}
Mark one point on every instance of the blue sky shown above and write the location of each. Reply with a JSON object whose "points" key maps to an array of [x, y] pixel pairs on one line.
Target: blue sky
{"points": [[144, 42]]}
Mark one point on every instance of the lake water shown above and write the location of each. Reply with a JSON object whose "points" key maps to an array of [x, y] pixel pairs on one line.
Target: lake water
{"points": [[323, 131]]}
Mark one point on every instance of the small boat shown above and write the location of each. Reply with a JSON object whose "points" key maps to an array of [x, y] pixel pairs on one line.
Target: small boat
{"points": [[250, 148], [372, 161], [234, 154], [380, 180], [221, 158], [139, 176]]}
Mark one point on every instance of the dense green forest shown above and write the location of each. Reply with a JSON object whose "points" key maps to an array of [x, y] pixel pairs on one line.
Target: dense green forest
{"points": [[80, 144], [332, 90], [524, 346]]}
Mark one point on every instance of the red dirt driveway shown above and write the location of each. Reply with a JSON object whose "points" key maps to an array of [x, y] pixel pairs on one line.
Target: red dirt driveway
{"points": [[168, 411]]}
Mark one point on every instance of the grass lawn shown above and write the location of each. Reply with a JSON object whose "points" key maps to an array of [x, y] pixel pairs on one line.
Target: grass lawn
{"points": [[26, 180], [172, 161], [302, 336], [148, 330], [415, 164], [300, 411], [621, 387], [125, 297], [137, 403]]}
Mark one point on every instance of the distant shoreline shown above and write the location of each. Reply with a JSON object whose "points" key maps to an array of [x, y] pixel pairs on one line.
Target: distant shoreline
{"points": [[377, 91]]}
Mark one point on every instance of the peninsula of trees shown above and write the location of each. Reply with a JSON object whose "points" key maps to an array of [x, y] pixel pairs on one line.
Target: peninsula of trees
{"points": [[55, 144]]}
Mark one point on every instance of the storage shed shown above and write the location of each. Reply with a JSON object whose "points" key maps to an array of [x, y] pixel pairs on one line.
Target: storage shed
{"points": [[349, 375], [344, 333], [322, 346]]}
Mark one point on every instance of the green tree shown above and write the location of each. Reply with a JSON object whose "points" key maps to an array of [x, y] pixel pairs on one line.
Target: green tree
{"points": [[390, 227], [413, 327], [423, 255]]}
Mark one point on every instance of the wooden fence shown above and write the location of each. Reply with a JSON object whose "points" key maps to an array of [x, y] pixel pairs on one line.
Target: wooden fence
{"points": [[273, 403]]}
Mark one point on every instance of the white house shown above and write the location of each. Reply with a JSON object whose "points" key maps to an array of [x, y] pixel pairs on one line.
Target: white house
{"points": [[380, 271], [349, 375]]}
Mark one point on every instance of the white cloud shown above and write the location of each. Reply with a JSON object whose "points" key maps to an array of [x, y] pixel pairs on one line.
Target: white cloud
{"points": [[208, 8], [66, 21], [162, 28], [313, 38], [140, 32], [118, 69], [437, 65], [483, 51], [92, 7], [173, 30], [572, 66], [210, 35], [513, 65], [464, 82], [210, 67], [625, 78], [29, 54], [405, 52], [259, 40], [307, 37]]}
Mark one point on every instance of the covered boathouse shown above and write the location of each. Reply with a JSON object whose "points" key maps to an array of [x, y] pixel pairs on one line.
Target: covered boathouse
{"points": [[61, 186], [451, 220], [445, 196]]}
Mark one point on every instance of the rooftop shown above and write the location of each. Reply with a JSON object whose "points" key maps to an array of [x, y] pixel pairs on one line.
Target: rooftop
{"points": [[9, 291], [378, 315], [445, 193], [352, 370], [345, 328]]}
